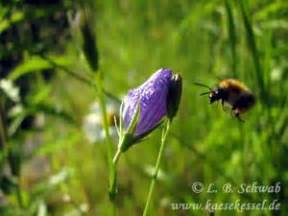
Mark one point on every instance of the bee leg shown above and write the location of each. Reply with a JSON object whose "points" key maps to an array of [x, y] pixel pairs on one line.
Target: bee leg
{"points": [[237, 115], [224, 108]]}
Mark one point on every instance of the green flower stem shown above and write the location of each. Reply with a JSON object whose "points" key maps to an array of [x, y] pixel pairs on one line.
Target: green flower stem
{"points": [[113, 177], [157, 166], [106, 126], [116, 157], [126, 139]]}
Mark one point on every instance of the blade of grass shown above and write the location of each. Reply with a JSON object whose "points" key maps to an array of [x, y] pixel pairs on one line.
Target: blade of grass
{"points": [[232, 36], [267, 62], [251, 42]]}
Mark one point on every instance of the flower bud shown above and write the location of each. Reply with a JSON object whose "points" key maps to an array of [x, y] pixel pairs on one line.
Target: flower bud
{"points": [[158, 97]]}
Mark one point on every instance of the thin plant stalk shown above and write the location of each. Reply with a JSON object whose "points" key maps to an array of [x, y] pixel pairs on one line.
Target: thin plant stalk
{"points": [[113, 175], [157, 166], [105, 124], [122, 145], [116, 157], [102, 103]]}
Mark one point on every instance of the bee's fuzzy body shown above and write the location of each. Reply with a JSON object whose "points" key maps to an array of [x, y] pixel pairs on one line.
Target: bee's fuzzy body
{"points": [[234, 93]]}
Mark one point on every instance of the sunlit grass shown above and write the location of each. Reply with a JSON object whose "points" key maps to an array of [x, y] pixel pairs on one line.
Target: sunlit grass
{"points": [[201, 40]]}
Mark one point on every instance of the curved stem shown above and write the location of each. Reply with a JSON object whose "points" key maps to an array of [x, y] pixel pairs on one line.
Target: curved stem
{"points": [[157, 166]]}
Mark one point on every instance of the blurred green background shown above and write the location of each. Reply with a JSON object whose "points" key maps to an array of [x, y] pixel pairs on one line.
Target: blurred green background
{"points": [[53, 152]]}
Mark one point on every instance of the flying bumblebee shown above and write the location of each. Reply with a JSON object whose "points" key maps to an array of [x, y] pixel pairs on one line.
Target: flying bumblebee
{"points": [[232, 92]]}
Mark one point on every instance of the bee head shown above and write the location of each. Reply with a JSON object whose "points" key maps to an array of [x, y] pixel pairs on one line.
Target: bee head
{"points": [[215, 94]]}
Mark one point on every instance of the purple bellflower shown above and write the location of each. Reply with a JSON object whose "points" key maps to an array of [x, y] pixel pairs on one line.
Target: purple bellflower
{"points": [[144, 109], [155, 99]]}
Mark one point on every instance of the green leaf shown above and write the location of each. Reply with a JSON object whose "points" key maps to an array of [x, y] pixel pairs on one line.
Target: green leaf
{"points": [[17, 16], [37, 64]]}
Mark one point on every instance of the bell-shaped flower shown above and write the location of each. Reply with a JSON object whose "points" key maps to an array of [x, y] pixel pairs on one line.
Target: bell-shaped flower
{"points": [[144, 108]]}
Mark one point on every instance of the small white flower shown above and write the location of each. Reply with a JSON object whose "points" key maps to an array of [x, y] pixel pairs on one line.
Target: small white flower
{"points": [[93, 124]]}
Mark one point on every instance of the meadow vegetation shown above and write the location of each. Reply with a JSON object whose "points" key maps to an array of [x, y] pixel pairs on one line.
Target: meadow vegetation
{"points": [[59, 57]]}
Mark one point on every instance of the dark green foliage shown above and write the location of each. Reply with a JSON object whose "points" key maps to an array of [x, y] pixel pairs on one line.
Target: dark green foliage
{"points": [[89, 45]]}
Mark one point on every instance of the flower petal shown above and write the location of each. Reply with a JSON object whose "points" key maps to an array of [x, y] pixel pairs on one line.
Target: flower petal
{"points": [[153, 100]]}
